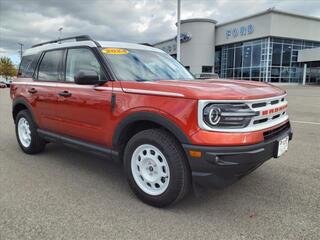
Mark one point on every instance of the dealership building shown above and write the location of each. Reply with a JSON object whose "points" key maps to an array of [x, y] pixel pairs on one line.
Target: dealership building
{"points": [[271, 46]]}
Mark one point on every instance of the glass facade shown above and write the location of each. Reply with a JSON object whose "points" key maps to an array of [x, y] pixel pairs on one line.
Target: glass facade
{"points": [[267, 59]]}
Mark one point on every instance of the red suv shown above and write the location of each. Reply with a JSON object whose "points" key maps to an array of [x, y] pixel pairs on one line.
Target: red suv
{"points": [[141, 107]]}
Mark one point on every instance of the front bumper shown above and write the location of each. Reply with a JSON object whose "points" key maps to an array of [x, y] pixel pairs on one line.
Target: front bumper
{"points": [[221, 166]]}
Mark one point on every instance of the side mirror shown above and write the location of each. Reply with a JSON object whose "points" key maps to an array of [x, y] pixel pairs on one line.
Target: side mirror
{"points": [[86, 77]]}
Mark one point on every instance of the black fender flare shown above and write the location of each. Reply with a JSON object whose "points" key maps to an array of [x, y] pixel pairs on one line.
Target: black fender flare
{"points": [[152, 117], [21, 101]]}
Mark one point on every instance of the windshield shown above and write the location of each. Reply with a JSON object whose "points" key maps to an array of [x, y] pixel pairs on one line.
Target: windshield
{"points": [[144, 65]]}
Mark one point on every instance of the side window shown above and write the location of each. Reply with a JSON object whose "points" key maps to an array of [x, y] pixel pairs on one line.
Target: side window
{"points": [[81, 59], [32, 64], [49, 66], [25, 65]]}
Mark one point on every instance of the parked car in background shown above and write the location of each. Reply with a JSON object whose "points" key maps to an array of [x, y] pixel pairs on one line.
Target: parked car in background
{"points": [[6, 82], [142, 108], [206, 76], [3, 85]]}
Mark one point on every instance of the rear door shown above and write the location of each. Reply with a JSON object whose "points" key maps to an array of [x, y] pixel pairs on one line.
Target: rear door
{"points": [[84, 111]]}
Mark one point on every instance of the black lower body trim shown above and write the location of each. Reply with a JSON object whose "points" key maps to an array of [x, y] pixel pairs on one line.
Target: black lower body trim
{"points": [[76, 143], [221, 166]]}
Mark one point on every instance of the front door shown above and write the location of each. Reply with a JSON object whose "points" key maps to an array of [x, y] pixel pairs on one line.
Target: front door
{"points": [[84, 111]]}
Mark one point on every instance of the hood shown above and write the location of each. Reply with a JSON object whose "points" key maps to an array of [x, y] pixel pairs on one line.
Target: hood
{"points": [[217, 89]]}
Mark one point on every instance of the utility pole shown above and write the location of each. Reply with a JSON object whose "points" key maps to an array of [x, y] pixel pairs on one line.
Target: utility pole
{"points": [[21, 45], [178, 29]]}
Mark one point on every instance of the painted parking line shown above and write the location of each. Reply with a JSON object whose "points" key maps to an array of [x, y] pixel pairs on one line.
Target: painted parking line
{"points": [[303, 122]]}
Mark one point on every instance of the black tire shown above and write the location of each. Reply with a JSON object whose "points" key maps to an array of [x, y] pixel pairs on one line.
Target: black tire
{"points": [[180, 177], [37, 143]]}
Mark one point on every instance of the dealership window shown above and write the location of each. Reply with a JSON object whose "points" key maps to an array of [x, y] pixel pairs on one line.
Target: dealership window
{"points": [[237, 73], [246, 73], [238, 58], [313, 72], [247, 56], [230, 73], [230, 58], [217, 61], [272, 60], [276, 54], [256, 55], [255, 73], [207, 69], [286, 55]]}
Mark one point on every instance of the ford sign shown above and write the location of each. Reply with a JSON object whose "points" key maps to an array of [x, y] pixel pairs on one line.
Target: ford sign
{"points": [[184, 37], [241, 31]]}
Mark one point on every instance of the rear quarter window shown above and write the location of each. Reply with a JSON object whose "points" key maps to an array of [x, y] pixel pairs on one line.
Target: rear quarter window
{"points": [[28, 65]]}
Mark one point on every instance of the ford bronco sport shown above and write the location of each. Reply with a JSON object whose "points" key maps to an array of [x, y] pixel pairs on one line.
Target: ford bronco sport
{"points": [[139, 106]]}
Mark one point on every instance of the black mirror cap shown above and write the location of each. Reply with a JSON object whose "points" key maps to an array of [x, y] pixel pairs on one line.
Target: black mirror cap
{"points": [[86, 77]]}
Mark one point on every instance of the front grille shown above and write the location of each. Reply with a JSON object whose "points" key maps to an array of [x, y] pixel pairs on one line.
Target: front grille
{"points": [[275, 132], [271, 112], [257, 105], [260, 121]]}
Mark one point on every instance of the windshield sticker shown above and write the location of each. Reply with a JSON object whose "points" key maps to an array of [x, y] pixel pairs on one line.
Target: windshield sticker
{"points": [[114, 51]]}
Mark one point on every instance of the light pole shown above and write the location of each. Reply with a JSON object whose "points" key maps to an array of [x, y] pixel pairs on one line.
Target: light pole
{"points": [[178, 29], [60, 30], [21, 45]]}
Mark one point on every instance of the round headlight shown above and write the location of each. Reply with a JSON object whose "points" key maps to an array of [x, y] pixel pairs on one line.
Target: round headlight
{"points": [[227, 115], [214, 115]]}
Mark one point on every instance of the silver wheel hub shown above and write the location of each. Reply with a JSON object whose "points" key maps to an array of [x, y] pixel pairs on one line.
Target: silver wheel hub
{"points": [[24, 132], [150, 169]]}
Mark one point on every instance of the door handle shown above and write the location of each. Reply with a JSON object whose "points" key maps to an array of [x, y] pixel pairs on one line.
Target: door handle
{"points": [[32, 90], [65, 94]]}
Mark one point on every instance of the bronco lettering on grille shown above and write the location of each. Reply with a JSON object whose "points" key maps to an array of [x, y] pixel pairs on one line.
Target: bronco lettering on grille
{"points": [[273, 110]]}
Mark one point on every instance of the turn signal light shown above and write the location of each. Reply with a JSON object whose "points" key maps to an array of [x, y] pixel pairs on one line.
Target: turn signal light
{"points": [[196, 154]]}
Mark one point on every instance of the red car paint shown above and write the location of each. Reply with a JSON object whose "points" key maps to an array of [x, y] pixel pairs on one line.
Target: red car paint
{"points": [[88, 115]]}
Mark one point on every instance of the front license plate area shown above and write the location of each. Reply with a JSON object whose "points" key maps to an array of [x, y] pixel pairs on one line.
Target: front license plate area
{"points": [[282, 146]]}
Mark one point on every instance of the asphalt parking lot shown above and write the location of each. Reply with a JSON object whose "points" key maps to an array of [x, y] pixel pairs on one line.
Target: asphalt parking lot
{"points": [[65, 194]]}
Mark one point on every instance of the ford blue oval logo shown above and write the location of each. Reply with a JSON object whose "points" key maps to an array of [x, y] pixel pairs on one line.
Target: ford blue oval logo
{"points": [[184, 37]]}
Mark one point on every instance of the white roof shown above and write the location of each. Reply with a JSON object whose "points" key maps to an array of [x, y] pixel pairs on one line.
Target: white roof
{"points": [[103, 44]]}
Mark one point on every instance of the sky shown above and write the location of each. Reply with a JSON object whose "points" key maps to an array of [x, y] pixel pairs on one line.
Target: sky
{"points": [[33, 21]]}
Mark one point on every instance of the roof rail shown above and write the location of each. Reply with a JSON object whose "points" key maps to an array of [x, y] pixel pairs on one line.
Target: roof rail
{"points": [[146, 44], [77, 38]]}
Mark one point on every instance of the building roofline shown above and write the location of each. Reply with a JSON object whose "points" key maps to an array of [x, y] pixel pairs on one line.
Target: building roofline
{"points": [[198, 20], [163, 41], [188, 21], [270, 10]]}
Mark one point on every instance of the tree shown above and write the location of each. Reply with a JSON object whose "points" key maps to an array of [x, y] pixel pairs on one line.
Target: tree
{"points": [[7, 68]]}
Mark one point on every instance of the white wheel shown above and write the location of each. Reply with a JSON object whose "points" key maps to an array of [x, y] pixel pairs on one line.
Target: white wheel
{"points": [[150, 169], [156, 167], [24, 132]]}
